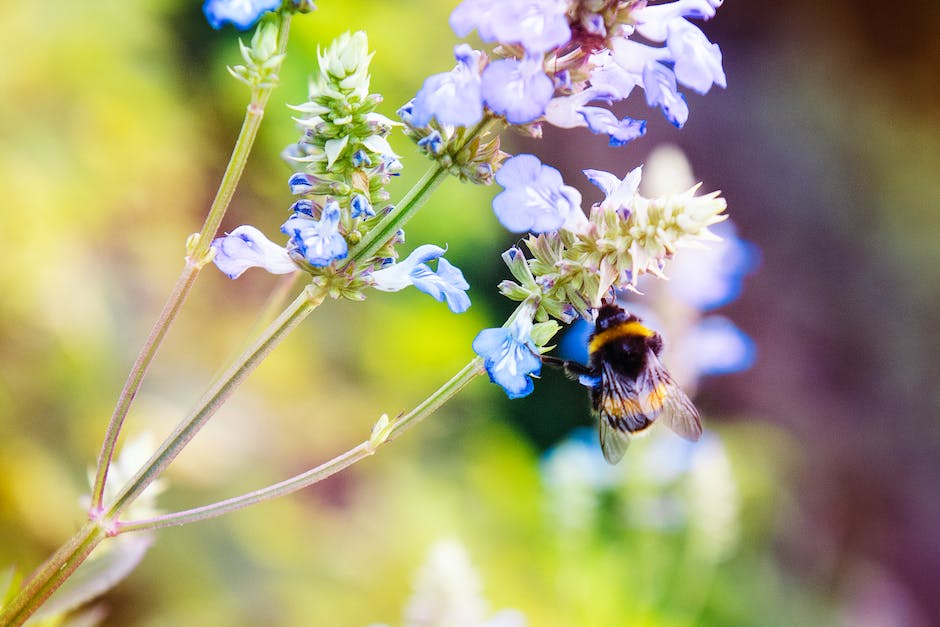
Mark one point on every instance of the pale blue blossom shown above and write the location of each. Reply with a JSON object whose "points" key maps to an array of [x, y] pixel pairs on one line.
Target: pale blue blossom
{"points": [[535, 198], [509, 356], [536, 25], [653, 20], [447, 283], [659, 83], [247, 247], [697, 60], [517, 89], [618, 193], [318, 242], [451, 97], [604, 122]]}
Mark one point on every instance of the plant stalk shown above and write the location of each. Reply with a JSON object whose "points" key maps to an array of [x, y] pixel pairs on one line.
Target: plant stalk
{"points": [[366, 449], [197, 257]]}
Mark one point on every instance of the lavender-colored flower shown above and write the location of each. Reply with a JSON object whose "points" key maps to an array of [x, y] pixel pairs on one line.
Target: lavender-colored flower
{"points": [[659, 82], [603, 122], [697, 60], [452, 97], [247, 247], [510, 356], [688, 57], [618, 194], [517, 89], [319, 242], [653, 21], [536, 25], [241, 13], [535, 198], [446, 284]]}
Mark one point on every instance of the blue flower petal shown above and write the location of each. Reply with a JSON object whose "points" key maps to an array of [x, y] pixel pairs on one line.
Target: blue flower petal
{"points": [[602, 121], [446, 284], [697, 60], [319, 242], [517, 90], [661, 91], [535, 197], [247, 247], [452, 97], [241, 13], [536, 25], [509, 356]]}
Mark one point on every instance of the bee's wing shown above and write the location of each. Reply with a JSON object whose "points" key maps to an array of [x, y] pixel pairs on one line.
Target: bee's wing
{"points": [[614, 442], [663, 400], [619, 413]]}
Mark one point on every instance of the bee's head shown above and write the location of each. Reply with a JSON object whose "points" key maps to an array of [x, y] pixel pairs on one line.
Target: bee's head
{"points": [[610, 315]]}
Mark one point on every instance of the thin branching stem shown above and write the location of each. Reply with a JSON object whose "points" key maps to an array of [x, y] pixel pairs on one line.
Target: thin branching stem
{"points": [[197, 257]]}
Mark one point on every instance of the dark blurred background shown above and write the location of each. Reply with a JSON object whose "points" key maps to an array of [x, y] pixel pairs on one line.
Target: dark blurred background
{"points": [[826, 145]]}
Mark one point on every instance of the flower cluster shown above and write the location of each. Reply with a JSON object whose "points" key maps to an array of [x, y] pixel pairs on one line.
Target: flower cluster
{"points": [[701, 280], [578, 261], [347, 163], [555, 59]]}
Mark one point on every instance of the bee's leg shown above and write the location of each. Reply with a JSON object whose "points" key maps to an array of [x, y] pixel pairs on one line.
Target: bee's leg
{"points": [[573, 368]]}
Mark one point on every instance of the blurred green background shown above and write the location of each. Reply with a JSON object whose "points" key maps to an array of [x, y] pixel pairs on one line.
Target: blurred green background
{"points": [[116, 120]]}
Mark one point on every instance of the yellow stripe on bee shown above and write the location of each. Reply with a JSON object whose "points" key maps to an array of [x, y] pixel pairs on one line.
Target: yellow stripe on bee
{"points": [[619, 407], [623, 330], [656, 397]]}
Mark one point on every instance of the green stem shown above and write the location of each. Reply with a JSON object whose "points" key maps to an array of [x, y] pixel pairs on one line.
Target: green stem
{"points": [[197, 257], [50, 575], [366, 449], [218, 393], [413, 200]]}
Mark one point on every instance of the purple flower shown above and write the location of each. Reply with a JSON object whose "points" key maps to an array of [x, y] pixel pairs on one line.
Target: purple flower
{"points": [[688, 57], [517, 89], [602, 121], [510, 356], [452, 97], [660, 85], [247, 247], [697, 60], [653, 21], [241, 13], [319, 242], [446, 284], [536, 25], [535, 198], [618, 194]]}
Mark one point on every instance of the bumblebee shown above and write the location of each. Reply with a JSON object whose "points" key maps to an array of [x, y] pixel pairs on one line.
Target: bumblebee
{"points": [[630, 388]]}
